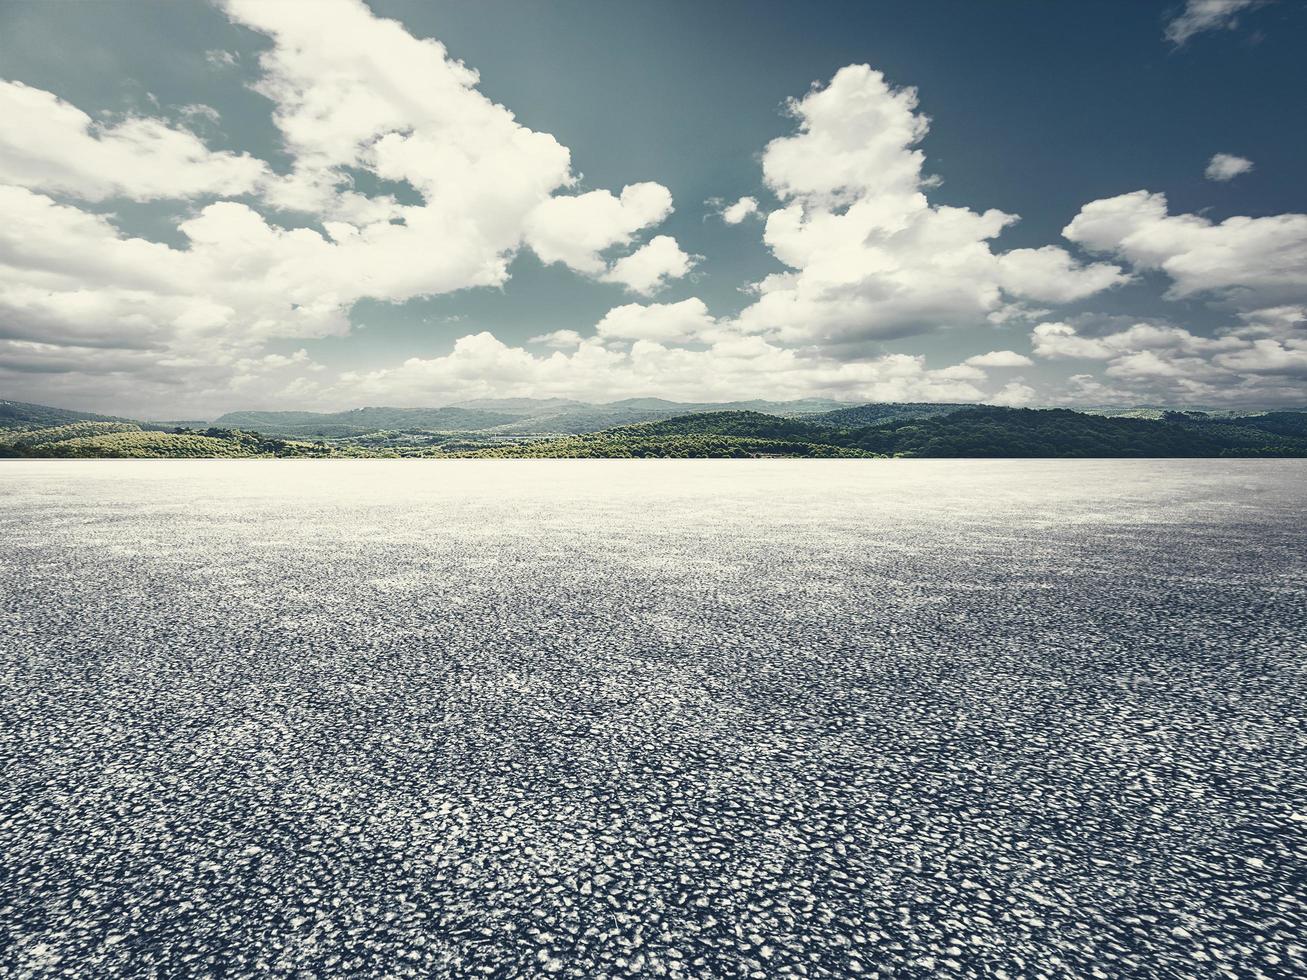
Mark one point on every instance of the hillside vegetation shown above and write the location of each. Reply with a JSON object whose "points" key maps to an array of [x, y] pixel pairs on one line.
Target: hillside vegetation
{"points": [[30, 438], [879, 413], [973, 432], [114, 440], [875, 430], [24, 415]]}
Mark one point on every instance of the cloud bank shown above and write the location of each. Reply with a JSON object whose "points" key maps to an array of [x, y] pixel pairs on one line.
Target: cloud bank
{"points": [[400, 179]]}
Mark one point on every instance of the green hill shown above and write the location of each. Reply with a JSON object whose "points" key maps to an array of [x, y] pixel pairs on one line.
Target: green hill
{"points": [[878, 413], [975, 431], [1011, 432], [749, 424], [24, 415], [972, 432], [708, 434], [117, 440], [620, 444], [30, 438]]}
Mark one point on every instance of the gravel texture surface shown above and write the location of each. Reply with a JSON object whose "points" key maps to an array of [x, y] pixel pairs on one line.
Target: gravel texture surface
{"points": [[646, 718]]}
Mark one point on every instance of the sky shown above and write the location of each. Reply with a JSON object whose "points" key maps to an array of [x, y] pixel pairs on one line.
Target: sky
{"points": [[324, 204]]}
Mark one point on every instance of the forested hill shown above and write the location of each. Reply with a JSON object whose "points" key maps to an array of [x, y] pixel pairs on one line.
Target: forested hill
{"points": [[24, 415], [877, 430], [983, 432], [879, 413]]}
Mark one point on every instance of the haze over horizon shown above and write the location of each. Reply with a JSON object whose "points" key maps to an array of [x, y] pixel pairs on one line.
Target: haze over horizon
{"points": [[212, 207]]}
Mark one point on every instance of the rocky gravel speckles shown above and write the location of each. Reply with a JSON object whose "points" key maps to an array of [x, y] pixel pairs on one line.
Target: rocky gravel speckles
{"points": [[653, 719]]}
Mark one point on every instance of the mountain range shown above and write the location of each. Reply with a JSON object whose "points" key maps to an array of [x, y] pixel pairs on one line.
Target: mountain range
{"points": [[518, 428]]}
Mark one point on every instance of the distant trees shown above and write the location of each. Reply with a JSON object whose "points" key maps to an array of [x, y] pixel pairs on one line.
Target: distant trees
{"points": [[979, 431], [972, 432]]}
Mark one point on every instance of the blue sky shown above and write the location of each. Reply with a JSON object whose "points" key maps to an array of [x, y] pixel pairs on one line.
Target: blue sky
{"points": [[254, 205]]}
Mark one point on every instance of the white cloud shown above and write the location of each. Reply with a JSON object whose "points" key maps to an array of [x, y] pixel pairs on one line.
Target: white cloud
{"points": [[733, 367], [350, 91], [648, 269], [1286, 356], [1249, 263], [1000, 359], [1010, 312], [1274, 321], [1226, 166], [735, 213], [687, 320], [1014, 394], [200, 111], [561, 339], [98, 313], [1050, 275], [1206, 15], [1152, 364], [1162, 364], [870, 256], [1060, 340], [218, 58], [47, 144], [574, 230], [354, 90]]}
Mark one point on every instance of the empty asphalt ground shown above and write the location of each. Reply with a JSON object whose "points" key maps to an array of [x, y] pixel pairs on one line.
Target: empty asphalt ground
{"points": [[653, 718]]}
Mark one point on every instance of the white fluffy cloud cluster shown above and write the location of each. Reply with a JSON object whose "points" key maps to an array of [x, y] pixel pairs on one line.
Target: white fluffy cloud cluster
{"points": [[406, 181], [1248, 263], [1263, 360], [868, 255], [648, 270], [733, 367], [350, 92], [1255, 268], [660, 322], [734, 214], [48, 145]]}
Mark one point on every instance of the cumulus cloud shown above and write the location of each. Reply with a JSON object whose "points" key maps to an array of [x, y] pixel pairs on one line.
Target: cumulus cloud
{"points": [[575, 229], [1275, 343], [1014, 394], [999, 359], [734, 214], [1269, 356], [1206, 15], [47, 144], [1050, 275], [268, 253], [687, 320], [1249, 263], [1160, 363], [1226, 166], [1062, 340], [648, 269], [350, 92], [733, 367], [868, 255]]}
